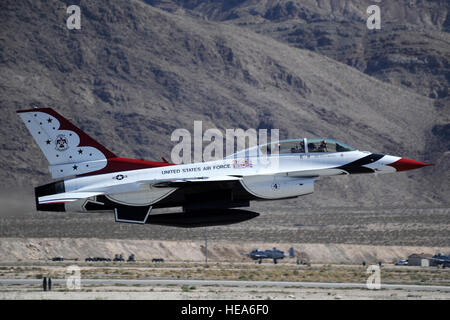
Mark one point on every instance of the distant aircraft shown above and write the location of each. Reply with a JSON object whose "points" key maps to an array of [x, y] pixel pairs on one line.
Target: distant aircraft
{"points": [[274, 254], [441, 259], [95, 179]]}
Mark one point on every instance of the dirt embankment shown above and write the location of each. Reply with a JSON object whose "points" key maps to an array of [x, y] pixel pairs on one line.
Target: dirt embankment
{"points": [[14, 249]]}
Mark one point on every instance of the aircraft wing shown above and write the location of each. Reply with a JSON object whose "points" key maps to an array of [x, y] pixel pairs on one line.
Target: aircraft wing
{"points": [[180, 182], [160, 183]]}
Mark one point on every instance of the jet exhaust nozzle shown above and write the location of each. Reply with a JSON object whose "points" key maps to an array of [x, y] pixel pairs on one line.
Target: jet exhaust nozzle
{"points": [[49, 189]]}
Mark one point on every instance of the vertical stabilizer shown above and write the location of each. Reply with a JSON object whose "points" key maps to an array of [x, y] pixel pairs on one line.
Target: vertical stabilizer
{"points": [[69, 150]]}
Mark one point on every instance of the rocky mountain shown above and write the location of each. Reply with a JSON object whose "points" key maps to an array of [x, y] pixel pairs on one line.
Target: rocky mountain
{"points": [[410, 50], [136, 71]]}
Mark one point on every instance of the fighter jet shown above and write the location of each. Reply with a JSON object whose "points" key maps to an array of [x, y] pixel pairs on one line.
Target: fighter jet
{"points": [[274, 254], [92, 178], [440, 259]]}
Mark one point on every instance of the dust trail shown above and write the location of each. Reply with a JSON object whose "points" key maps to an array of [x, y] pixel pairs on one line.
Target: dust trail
{"points": [[15, 201]]}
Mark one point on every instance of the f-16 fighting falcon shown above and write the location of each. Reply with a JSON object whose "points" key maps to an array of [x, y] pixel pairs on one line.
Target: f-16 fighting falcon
{"points": [[273, 254], [95, 179]]}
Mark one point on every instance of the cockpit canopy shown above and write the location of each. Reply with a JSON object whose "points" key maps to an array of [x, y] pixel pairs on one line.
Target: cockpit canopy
{"points": [[296, 146], [309, 146]]}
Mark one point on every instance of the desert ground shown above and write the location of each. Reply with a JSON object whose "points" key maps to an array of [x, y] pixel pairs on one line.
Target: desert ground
{"points": [[248, 273], [333, 241], [218, 293]]}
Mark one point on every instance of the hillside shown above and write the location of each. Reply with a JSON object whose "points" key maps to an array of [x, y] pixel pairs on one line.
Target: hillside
{"points": [[19, 249], [411, 49], [134, 73]]}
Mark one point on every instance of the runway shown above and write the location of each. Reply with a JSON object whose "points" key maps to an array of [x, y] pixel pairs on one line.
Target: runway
{"points": [[227, 283]]}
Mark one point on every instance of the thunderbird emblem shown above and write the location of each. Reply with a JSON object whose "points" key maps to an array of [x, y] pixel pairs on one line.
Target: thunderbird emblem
{"points": [[61, 143]]}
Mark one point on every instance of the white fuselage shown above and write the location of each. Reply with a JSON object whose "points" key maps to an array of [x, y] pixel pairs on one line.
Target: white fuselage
{"points": [[271, 177]]}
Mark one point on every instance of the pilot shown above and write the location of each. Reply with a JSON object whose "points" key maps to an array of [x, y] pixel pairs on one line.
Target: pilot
{"points": [[323, 146]]}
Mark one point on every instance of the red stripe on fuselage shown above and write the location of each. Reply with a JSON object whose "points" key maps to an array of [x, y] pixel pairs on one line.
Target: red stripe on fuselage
{"points": [[124, 164]]}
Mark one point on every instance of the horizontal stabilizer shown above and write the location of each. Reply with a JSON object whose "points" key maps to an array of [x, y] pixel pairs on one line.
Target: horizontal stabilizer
{"points": [[66, 197]]}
